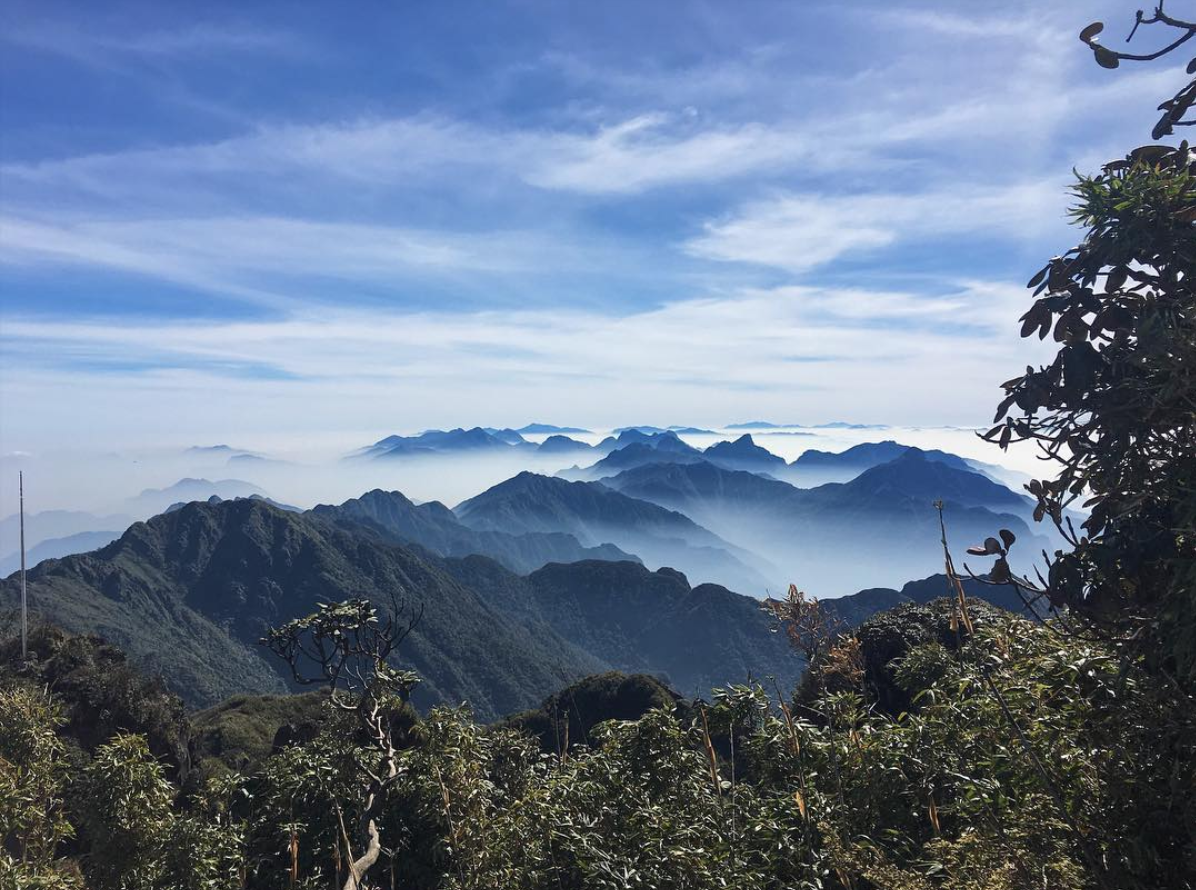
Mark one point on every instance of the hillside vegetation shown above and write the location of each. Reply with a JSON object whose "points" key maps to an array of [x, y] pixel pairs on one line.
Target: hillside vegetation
{"points": [[190, 593], [895, 767]]}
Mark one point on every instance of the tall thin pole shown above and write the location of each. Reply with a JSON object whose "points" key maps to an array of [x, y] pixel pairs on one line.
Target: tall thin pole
{"points": [[24, 598]]}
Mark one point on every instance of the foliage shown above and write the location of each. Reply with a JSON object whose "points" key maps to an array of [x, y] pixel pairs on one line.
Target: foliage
{"points": [[124, 810], [33, 821], [567, 718], [808, 623], [240, 733], [900, 771], [1175, 109], [101, 694], [346, 647], [1114, 410]]}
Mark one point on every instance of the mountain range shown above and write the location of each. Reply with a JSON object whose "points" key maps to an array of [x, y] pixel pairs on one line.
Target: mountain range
{"points": [[593, 513], [49, 524], [434, 526], [55, 548], [189, 593], [730, 513], [680, 430], [155, 500], [536, 581], [457, 441], [532, 429], [838, 537]]}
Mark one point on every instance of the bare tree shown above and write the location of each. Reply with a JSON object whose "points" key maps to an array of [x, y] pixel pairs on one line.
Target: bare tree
{"points": [[811, 627], [345, 647]]}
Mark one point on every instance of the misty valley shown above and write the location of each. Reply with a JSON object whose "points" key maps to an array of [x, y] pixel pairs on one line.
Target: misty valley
{"points": [[638, 542]]}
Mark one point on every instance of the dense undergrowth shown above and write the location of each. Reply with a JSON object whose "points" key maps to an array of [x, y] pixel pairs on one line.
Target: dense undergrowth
{"points": [[895, 767]]}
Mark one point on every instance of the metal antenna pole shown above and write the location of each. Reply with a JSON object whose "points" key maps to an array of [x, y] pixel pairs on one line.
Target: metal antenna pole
{"points": [[24, 598]]}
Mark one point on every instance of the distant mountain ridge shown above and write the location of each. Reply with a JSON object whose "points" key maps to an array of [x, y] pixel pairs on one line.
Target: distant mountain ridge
{"points": [[914, 472], [744, 454], [155, 500], [814, 467], [436, 527], [636, 454], [431, 443], [839, 537], [56, 548], [653, 430], [540, 428], [594, 513], [52, 524], [558, 444], [634, 448], [189, 593]]}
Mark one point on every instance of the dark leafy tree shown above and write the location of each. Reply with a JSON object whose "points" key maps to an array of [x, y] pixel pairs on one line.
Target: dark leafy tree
{"points": [[1115, 410], [345, 647]]}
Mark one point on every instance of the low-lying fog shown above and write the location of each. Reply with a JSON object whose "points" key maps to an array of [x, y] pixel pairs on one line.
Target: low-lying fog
{"points": [[76, 478], [120, 487]]}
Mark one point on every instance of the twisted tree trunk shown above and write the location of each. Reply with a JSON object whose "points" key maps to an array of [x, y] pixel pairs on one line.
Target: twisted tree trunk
{"points": [[358, 867]]}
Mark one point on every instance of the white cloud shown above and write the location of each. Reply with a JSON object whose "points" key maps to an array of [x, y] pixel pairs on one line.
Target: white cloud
{"points": [[101, 47], [929, 129], [283, 262], [801, 232], [794, 351], [650, 151]]}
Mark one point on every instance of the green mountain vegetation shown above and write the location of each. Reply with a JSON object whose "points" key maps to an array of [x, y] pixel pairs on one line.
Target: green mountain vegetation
{"points": [[901, 762], [634, 620], [190, 593], [434, 526], [568, 719]]}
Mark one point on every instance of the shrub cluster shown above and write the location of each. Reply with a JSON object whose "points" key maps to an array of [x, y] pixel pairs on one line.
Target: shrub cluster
{"points": [[907, 774]]}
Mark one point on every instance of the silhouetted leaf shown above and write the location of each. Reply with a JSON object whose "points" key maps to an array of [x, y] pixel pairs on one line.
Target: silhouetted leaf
{"points": [[1000, 573], [1105, 58], [1091, 31]]}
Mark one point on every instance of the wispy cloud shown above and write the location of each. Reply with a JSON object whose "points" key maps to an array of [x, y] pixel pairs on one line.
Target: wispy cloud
{"points": [[453, 226], [841, 344], [802, 232], [653, 151], [281, 262], [197, 40]]}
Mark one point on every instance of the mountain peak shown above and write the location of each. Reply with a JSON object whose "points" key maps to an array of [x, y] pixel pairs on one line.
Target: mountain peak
{"points": [[743, 453], [539, 428], [557, 443], [917, 473]]}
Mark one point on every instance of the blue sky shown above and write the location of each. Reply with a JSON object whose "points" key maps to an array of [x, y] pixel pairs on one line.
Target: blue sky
{"points": [[249, 221]]}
